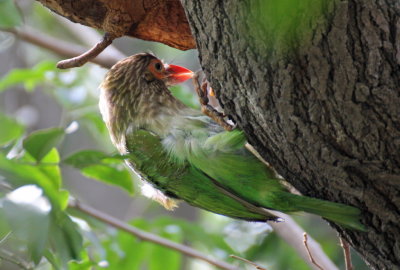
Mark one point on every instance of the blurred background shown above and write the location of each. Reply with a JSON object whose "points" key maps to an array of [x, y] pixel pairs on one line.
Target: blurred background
{"points": [[39, 96]]}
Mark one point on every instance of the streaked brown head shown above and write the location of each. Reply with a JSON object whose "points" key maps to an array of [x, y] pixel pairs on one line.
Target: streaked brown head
{"points": [[144, 70], [135, 91]]}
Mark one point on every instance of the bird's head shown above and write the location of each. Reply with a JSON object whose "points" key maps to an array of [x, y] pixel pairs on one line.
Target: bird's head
{"points": [[155, 69], [135, 91], [144, 69]]}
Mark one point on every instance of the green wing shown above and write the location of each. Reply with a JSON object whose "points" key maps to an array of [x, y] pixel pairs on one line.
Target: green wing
{"points": [[223, 157], [215, 172], [181, 180]]}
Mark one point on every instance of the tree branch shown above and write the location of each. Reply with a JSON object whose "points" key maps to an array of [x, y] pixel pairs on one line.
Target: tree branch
{"points": [[145, 236], [11, 258], [346, 252], [89, 55], [62, 48], [310, 255], [249, 262]]}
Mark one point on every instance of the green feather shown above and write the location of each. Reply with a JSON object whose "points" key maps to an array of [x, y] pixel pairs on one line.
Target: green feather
{"points": [[213, 170]]}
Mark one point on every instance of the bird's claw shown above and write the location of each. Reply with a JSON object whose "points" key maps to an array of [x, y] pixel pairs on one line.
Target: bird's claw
{"points": [[206, 108]]}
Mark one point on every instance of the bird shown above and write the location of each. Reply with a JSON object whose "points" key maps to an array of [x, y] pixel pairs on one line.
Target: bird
{"points": [[184, 155]]}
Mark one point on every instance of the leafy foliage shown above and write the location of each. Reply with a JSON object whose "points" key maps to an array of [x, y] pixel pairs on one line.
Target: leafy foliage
{"points": [[106, 168], [39, 143], [29, 209], [10, 130], [30, 78]]}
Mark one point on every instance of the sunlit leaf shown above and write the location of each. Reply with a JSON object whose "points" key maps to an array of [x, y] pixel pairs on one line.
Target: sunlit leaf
{"points": [[84, 264], [9, 130], [27, 212], [23, 172], [63, 198], [49, 166], [40, 142], [30, 77], [110, 175], [9, 15]]}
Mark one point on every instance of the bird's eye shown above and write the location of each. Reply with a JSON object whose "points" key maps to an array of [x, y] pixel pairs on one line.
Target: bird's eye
{"points": [[158, 66]]}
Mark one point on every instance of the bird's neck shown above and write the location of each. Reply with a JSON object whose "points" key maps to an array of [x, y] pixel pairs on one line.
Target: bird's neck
{"points": [[126, 112]]}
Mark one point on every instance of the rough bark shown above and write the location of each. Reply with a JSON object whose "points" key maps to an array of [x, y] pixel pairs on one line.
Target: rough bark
{"points": [[326, 112], [155, 20]]}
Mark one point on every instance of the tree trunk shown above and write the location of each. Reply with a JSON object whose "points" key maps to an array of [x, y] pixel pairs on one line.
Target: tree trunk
{"points": [[323, 107]]}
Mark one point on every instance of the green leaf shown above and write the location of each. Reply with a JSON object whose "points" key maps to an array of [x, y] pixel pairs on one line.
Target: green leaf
{"points": [[40, 142], [30, 77], [51, 258], [23, 172], [85, 158], [100, 166], [9, 130], [95, 123], [117, 175], [9, 15], [27, 212], [66, 240], [84, 264], [49, 166], [63, 198]]}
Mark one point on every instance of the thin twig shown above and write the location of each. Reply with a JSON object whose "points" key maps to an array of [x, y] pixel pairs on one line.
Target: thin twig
{"points": [[9, 257], [145, 236], [90, 54], [309, 252], [249, 262], [62, 48], [347, 255], [87, 35], [292, 233]]}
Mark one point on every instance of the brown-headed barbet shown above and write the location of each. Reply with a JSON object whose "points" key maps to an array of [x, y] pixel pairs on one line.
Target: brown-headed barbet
{"points": [[185, 155]]}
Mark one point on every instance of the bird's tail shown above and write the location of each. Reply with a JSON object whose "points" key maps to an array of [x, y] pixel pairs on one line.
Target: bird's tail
{"points": [[344, 215]]}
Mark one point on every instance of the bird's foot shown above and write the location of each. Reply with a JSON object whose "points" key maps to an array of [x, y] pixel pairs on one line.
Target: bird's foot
{"points": [[206, 108]]}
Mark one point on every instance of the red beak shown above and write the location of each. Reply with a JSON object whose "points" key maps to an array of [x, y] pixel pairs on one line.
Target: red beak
{"points": [[177, 74]]}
